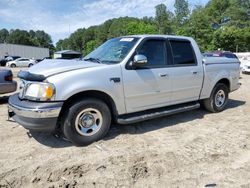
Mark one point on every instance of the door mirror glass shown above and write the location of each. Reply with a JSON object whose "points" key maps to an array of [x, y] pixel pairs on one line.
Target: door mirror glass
{"points": [[140, 60]]}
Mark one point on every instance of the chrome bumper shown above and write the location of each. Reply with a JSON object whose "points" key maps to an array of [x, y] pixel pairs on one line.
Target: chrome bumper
{"points": [[29, 109], [35, 113], [38, 116]]}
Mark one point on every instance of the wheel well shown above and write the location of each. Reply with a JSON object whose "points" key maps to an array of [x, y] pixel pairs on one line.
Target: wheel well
{"points": [[225, 81], [92, 94]]}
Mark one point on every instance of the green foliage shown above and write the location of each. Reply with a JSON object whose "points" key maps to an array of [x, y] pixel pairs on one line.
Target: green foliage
{"points": [[138, 27], [231, 17], [91, 45], [4, 33], [32, 38], [163, 19], [230, 38], [85, 40], [199, 27], [181, 11]]}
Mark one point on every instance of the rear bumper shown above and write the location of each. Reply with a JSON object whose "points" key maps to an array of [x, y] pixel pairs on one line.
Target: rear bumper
{"points": [[8, 87], [39, 116]]}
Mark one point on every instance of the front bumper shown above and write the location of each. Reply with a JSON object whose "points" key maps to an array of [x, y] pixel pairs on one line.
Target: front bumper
{"points": [[39, 116]]}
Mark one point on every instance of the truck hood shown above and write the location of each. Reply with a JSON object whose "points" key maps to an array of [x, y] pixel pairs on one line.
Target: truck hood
{"points": [[56, 66]]}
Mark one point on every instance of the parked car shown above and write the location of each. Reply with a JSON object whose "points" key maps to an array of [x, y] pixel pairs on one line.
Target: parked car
{"points": [[11, 58], [220, 54], [7, 85], [8, 58], [127, 80], [245, 64], [21, 62]]}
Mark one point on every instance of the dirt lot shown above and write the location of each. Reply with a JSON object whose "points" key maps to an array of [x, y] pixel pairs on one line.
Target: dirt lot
{"points": [[192, 149]]}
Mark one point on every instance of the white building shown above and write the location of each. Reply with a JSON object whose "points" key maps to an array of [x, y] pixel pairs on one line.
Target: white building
{"points": [[23, 51]]}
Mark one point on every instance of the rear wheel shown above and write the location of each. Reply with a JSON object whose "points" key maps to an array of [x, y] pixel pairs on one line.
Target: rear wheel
{"points": [[86, 121], [218, 99], [13, 65], [30, 65]]}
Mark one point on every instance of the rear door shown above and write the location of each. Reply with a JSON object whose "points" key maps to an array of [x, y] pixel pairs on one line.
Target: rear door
{"points": [[149, 86], [187, 74]]}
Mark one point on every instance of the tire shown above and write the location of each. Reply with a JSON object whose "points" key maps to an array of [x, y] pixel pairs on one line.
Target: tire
{"points": [[30, 65], [86, 121], [12, 65], [218, 99]]}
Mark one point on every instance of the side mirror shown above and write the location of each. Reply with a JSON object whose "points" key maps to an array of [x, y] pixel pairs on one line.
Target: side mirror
{"points": [[139, 61]]}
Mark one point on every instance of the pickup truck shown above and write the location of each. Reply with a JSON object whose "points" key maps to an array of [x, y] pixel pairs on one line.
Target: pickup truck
{"points": [[125, 80]]}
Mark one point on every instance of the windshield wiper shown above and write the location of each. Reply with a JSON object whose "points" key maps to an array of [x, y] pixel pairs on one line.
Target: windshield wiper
{"points": [[92, 59]]}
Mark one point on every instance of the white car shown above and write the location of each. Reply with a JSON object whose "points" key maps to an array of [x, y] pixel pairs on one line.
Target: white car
{"points": [[21, 62], [245, 64]]}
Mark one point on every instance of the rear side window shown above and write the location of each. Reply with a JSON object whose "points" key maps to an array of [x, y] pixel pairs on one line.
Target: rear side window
{"points": [[183, 53]]}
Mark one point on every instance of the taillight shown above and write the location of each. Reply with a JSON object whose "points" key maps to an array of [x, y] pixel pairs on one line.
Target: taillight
{"points": [[8, 78]]}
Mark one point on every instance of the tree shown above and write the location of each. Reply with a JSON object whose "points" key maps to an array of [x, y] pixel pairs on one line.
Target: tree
{"points": [[19, 37], [230, 15], [181, 11], [139, 27], [199, 27], [230, 38], [77, 40], [43, 39], [4, 33], [163, 19]]}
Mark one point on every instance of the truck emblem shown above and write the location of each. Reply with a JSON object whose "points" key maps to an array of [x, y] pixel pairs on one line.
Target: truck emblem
{"points": [[115, 80]]}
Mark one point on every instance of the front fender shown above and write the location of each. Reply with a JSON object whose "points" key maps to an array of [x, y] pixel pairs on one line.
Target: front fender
{"points": [[99, 79]]}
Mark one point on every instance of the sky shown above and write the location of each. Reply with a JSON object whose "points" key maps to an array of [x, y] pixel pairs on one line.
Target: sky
{"points": [[60, 18]]}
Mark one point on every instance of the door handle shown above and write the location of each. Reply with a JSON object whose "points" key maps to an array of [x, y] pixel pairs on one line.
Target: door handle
{"points": [[194, 72], [163, 75]]}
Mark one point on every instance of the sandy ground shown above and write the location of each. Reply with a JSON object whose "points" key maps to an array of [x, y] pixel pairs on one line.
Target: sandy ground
{"points": [[192, 149]]}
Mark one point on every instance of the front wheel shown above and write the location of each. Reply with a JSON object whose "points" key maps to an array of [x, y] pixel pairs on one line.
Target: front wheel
{"points": [[86, 121], [12, 65], [218, 99], [30, 65]]}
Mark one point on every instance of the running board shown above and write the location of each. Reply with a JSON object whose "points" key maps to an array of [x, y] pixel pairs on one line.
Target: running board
{"points": [[156, 113]]}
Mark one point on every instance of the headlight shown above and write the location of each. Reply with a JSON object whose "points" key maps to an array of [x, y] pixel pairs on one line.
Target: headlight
{"points": [[39, 91]]}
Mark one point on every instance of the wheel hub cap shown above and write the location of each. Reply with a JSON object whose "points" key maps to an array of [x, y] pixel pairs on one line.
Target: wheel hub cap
{"points": [[220, 98], [88, 122]]}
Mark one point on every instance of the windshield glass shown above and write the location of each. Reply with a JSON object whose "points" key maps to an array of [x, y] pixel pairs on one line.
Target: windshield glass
{"points": [[113, 50]]}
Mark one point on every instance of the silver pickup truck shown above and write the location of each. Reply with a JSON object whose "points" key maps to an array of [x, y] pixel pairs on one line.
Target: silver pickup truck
{"points": [[127, 80]]}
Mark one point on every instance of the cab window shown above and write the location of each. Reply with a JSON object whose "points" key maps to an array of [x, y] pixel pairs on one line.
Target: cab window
{"points": [[154, 50], [182, 52]]}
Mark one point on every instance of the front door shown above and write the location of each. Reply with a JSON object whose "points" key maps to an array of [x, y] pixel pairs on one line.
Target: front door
{"points": [[149, 86]]}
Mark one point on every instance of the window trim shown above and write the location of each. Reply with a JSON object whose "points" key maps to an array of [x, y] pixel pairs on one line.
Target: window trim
{"points": [[164, 40], [172, 54]]}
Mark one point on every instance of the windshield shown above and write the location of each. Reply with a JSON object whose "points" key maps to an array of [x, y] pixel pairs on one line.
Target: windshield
{"points": [[113, 50]]}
